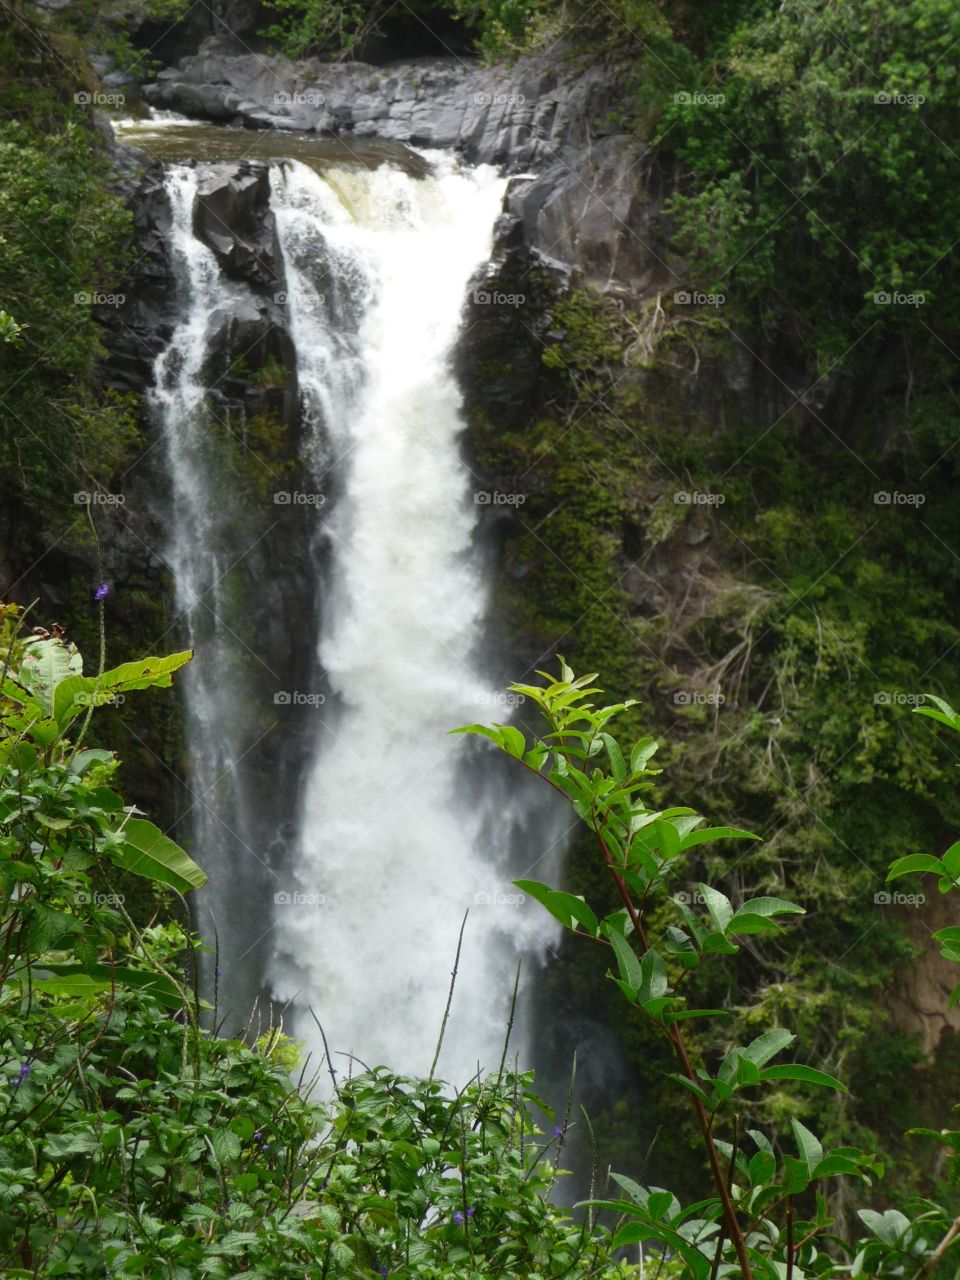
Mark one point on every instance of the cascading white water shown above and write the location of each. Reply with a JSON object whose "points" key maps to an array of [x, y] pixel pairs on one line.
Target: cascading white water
{"points": [[197, 552], [389, 849], [389, 853]]}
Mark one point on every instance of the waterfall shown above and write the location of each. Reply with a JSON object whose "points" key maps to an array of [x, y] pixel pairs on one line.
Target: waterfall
{"points": [[394, 840], [201, 550]]}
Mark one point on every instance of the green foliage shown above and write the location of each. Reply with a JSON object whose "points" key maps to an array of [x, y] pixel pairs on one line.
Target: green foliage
{"points": [[766, 1214], [61, 233], [134, 1142], [820, 186]]}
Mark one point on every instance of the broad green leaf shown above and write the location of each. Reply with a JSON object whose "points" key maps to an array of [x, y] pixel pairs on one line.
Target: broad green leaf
{"points": [[888, 1227], [513, 740], [721, 912], [46, 663], [618, 766], [92, 979], [808, 1145], [805, 1075], [631, 970], [769, 907], [709, 834], [643, 751], [569, 909], [768, 1045], [653, 977], [914, 862], [74, 695], [146, 851]]}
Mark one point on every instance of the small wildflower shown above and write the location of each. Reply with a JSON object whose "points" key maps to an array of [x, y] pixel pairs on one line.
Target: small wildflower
{"points": [[101, 592], [458, 1217], [24, 1072], [218, 973], [384, 1270], [558, 1130], [471, 1211]]}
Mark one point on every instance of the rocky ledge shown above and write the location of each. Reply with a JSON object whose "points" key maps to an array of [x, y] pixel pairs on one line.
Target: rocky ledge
{"points": [[580, 188]]}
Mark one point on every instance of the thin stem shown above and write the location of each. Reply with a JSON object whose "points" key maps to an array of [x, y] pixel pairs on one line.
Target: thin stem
{"points": [[453, 983]]}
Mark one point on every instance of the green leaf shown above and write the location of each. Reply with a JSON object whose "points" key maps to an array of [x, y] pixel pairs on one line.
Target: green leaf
{"points": [[46, 663], [709, 834], [888, 1227], [653, 977], [914, 862], [92, 979], [767, 1046], [513, 740], [805, 1075], [630, 968], [718, 905], [144, 674], [146, 851], [569, 909], [808, 1145]]}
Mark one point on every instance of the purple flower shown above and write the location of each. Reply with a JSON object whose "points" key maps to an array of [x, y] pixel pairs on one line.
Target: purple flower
{"points": [[24, 1072], [218, 973], [558, 1130], [384, 1270], [458, 1217], [101, 592], [471, 1211]]}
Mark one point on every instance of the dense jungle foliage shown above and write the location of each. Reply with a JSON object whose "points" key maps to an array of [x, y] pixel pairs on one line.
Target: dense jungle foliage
{"points": [[777, 625]]}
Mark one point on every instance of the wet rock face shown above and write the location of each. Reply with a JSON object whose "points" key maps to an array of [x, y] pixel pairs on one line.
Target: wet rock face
{"points": [[232, 217], [585, 202]]}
